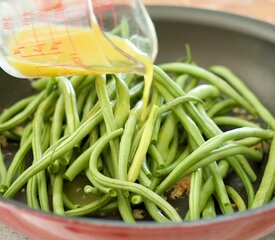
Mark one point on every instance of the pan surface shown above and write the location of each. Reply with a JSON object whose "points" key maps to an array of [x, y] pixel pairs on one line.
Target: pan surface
{"points": [[245, 45]]}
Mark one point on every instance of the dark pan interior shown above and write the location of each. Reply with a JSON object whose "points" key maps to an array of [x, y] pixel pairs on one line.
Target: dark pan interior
{"points": [[245, 45]]}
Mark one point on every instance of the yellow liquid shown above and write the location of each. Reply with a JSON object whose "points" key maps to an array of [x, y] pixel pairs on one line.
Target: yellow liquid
{"points": [[58, 50]]}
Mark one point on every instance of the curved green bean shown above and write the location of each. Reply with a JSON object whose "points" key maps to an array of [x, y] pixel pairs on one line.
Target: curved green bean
{"points": [[129, 186]]}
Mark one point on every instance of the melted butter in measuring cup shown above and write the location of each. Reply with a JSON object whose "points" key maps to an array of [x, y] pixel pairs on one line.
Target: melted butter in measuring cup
{"points": [[56, 50]]}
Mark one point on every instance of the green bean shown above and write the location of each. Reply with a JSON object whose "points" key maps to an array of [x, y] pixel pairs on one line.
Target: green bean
{"points": [[266, 188], [222, 152], [194, 198], [57, 121], [106, 159], [156, 129], [58, 203], [240, 163], [167, 136], [124, 207], [192, 84], [189, 125], [54, 167], [143, 148], [46, 135], [179, 100], [81, 163], [154, 212], [209, 209], [80, 83], [222, 107], [225, 205], [181, 80], [143, 179], [173, 149], [130, 79], [129, 186], [92, 190], [90, 102], [168, 169], [244, 178], [68, 203], [136, 90], [250, 97], [156, 156], [37, 149], [11, 135], [3, 168], [145, 168], [248, 142], [15, 108], [136, 141], [106, 190], [208, 187], [211, 169], [17, 161], [40, 83], [157, 100], [109, 120], [89, 208], [211, 130], [204, 91], [110, 207], [236, 198], [170, 91], [23, 115], [233, 121], [122, 102], [209, 103], [125, 145], [57, 152], [68, 92], [208, 146], [146, 95], [210, 77], [81, 100], [31, 193], [136, 199]]}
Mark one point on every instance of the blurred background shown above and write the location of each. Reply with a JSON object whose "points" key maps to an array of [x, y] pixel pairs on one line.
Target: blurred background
{"points": [[261, 9]]}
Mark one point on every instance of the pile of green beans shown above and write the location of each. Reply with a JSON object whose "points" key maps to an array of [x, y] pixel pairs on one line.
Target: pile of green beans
{"points": [[92, 155]]}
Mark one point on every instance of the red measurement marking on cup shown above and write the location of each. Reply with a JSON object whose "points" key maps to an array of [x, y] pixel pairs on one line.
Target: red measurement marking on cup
{"points": [[42, 17], [77, 60], [7, 23], [18, 50], [56, 45], [103, 7], [26, 18]]}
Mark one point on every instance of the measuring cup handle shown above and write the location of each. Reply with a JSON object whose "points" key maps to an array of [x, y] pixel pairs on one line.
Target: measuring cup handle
{"points": [[47, 5]]}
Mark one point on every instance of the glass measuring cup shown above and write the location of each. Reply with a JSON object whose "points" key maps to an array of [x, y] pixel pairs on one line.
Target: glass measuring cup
{"points": [[74, 37]]}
